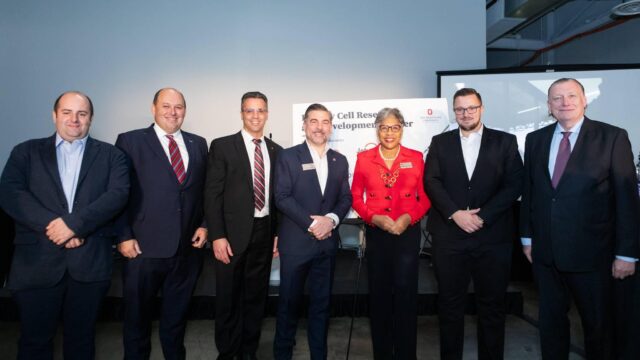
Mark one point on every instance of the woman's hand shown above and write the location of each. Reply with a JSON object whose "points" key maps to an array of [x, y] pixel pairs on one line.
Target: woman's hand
{"points": [[384, 222], [401, 224]]}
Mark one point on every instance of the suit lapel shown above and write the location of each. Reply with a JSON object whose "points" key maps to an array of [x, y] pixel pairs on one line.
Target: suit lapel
{"points": [[91, 151], [271, 149], [49, 156], [155, 146], [578, 148], [331, 169], [455, 145], [241, 150], [304, 154], [545, 152], [483, 155], [188, 143]]}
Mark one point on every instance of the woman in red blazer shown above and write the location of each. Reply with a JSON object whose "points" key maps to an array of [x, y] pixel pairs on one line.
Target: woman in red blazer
{"points": [[388, 194]]}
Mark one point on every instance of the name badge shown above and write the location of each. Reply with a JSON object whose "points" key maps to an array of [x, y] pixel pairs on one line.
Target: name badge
{"points": [[406, 165], [309, 166]]}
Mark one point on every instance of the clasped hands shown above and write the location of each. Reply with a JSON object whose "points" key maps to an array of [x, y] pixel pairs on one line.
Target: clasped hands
{"points": [[60, 234], [321, 227], [387, 224], [468, 220]]}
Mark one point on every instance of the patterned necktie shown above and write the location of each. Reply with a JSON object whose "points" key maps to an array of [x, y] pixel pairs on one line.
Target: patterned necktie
{"points": [[176, 159], [564, 151], [258, 176]]}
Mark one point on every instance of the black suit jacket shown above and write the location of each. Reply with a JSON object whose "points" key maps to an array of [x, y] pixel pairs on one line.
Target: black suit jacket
{"points": [[593, 213], [494, 186], [31, 193], [162, 213], [229, 203]]}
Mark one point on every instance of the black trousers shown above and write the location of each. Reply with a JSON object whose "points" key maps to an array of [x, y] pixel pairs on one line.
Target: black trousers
{"points": [[627, 317], [488, 265], [591, 292], [176, 278], [241, 292], [392, 263], [76, 302], [317, 270]]}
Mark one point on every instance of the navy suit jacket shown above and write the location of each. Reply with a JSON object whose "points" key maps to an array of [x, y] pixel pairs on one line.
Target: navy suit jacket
{"points": [[229, 203], [298, 196], [161, 212], [593, 212], [494, 187], [31, 193]]}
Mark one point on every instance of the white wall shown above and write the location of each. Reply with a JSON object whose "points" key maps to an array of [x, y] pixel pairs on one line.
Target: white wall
{"points": [[120, 52]]}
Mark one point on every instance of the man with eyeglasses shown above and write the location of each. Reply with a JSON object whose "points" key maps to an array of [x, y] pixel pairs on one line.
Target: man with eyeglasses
{"points": [[473, 176], [579, 220], [241, 216]]}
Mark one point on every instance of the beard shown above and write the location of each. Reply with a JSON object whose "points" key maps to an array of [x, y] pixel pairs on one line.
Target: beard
{"points": [[471, 127]]}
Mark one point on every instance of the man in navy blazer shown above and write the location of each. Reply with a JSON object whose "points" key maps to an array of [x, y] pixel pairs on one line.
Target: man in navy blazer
{"points": [[63, 192], [579, 219], [162, 228], [312, 193]]}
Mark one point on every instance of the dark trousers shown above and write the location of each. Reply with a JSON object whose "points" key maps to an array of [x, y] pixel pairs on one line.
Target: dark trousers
{"points": [[317, 270], [488, 265], [77, 303], [392, 263], [627, 317], [591, 292], [176, 278], [241, 293]]}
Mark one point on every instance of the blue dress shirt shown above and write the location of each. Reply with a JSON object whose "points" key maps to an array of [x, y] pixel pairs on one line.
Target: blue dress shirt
{"points": [[69, 156]]}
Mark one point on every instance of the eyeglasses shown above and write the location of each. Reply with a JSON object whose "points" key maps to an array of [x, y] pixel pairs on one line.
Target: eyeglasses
{"points": [[469, 110], [255, 111], [392, 128]]}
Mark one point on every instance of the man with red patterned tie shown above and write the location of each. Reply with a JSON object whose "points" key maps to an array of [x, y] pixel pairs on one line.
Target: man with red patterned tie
{"points": [[241, 215], [162, 228]]}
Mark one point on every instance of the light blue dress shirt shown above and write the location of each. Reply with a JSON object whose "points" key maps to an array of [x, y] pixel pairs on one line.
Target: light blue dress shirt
{"points": [[553, 153], [69, 156]]}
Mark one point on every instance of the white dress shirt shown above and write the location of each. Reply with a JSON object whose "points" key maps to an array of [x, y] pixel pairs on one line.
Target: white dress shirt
{"points": [[251, 149], [321, 165], [177, 136], [471, 149]]}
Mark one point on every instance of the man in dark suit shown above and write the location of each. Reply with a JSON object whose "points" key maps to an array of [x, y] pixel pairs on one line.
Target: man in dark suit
{"points": [[241, 218], [163, 228], [312, 192], [63, 193], [473, 177], [579, 219]]}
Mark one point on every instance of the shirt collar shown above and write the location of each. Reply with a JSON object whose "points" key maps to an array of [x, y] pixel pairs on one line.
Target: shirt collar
{"points": [[574, 130], [473, 134], [60, 140], [248, 138], [161, 133], [313, 151]]}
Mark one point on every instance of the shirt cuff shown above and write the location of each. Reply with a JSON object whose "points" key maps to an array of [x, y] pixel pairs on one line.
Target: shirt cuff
{"points": [[335, 218], [626, 258], [525, 241]]}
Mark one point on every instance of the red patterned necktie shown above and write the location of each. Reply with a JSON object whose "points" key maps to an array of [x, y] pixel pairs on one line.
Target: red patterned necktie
{"points": [[176, 159], [564, 151], [258, 176]]}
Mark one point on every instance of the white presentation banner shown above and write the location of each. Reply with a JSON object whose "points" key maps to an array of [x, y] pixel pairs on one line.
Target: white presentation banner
{"points": [[353, 129]]}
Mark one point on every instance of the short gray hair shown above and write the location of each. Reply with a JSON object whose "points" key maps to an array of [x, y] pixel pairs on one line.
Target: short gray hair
{"points": [[386, 112]]}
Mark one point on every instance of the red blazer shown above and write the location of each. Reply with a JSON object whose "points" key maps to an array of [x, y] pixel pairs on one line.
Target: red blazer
{"points": [[384, 196]]}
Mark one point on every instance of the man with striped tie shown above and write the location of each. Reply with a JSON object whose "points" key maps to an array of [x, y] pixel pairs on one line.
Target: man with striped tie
{"points": [[163, 226], [240, 212]]}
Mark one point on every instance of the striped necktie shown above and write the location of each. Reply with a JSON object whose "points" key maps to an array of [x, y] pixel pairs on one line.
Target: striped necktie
{"points": [[258, 176], [176, 159]]}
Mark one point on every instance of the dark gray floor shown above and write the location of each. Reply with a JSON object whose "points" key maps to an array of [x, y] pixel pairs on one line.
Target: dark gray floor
{"points": [[521, 337]]}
